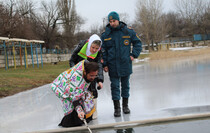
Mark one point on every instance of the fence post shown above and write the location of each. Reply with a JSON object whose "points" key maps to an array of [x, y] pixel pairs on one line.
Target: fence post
{"points": [[32, 56], [13, 46], [37, 56], [5, 55], [41, 54], [20, 54], [26, 55]]}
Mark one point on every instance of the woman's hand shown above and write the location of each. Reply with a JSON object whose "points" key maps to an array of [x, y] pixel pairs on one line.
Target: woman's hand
{"points": [[81, 115], [100, 85], [106, 69]]}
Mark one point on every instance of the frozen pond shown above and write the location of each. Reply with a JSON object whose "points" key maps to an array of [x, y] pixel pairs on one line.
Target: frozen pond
{"points": [[158, 90]]}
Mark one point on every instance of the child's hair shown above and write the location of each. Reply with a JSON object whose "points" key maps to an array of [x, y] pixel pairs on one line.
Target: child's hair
{"points": [[91, 66], [97, 42]]}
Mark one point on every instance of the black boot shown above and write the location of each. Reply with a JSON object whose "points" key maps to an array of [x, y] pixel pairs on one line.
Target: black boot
{"points": [[126, 110], [117, 110]]}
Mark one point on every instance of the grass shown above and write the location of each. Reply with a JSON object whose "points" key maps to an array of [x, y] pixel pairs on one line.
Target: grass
{"points": [[142, 56], [21, 79], [179, 54]]}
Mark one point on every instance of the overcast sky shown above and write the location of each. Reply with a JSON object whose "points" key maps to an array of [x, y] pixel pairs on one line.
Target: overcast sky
{"points": [[94, 10]]}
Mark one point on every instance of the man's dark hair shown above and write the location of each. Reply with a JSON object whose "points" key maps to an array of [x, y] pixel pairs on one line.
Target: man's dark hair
{"points": [[91, 67]]}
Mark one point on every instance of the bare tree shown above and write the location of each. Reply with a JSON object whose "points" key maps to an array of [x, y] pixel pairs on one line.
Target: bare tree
{"points": [[95, 29], [20, 18], [25, 7], [4, 17], [65, 11], [80, 22], [190, 9], [26, 12], [191, 12], [10, 21], [148, 16], [48, 20], [17, 14], [206, 19], [82, 36], [174, 23], [70, 20]]}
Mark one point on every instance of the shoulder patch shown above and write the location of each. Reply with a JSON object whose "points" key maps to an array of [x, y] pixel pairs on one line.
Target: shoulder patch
{"points": [[137, 36], [102, 34], [107, 39]]}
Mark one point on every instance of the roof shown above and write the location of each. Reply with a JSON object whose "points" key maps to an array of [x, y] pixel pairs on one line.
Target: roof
{"points": [[20, 40]]}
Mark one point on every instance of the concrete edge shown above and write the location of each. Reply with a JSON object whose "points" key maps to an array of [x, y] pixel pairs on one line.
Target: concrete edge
{"points": [[127, 123]]}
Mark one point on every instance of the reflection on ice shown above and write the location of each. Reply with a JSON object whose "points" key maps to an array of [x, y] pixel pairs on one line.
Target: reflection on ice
{"points": [[177, 65], [188, 110]]}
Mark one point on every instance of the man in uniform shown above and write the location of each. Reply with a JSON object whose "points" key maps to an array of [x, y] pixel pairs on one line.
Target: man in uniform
{"points": [[120, 45]]}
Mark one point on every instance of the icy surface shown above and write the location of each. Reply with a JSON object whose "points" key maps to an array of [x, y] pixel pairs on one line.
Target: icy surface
{"points": [[157, 91]]}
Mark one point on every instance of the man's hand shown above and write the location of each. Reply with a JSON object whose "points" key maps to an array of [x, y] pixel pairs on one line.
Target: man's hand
{"points": [[81, 115], [100, 85], [131, 58], [106, 69]]}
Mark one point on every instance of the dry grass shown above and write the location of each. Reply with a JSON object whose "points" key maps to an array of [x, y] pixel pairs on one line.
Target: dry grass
{"points": [[165, 55], [167, 59]]}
